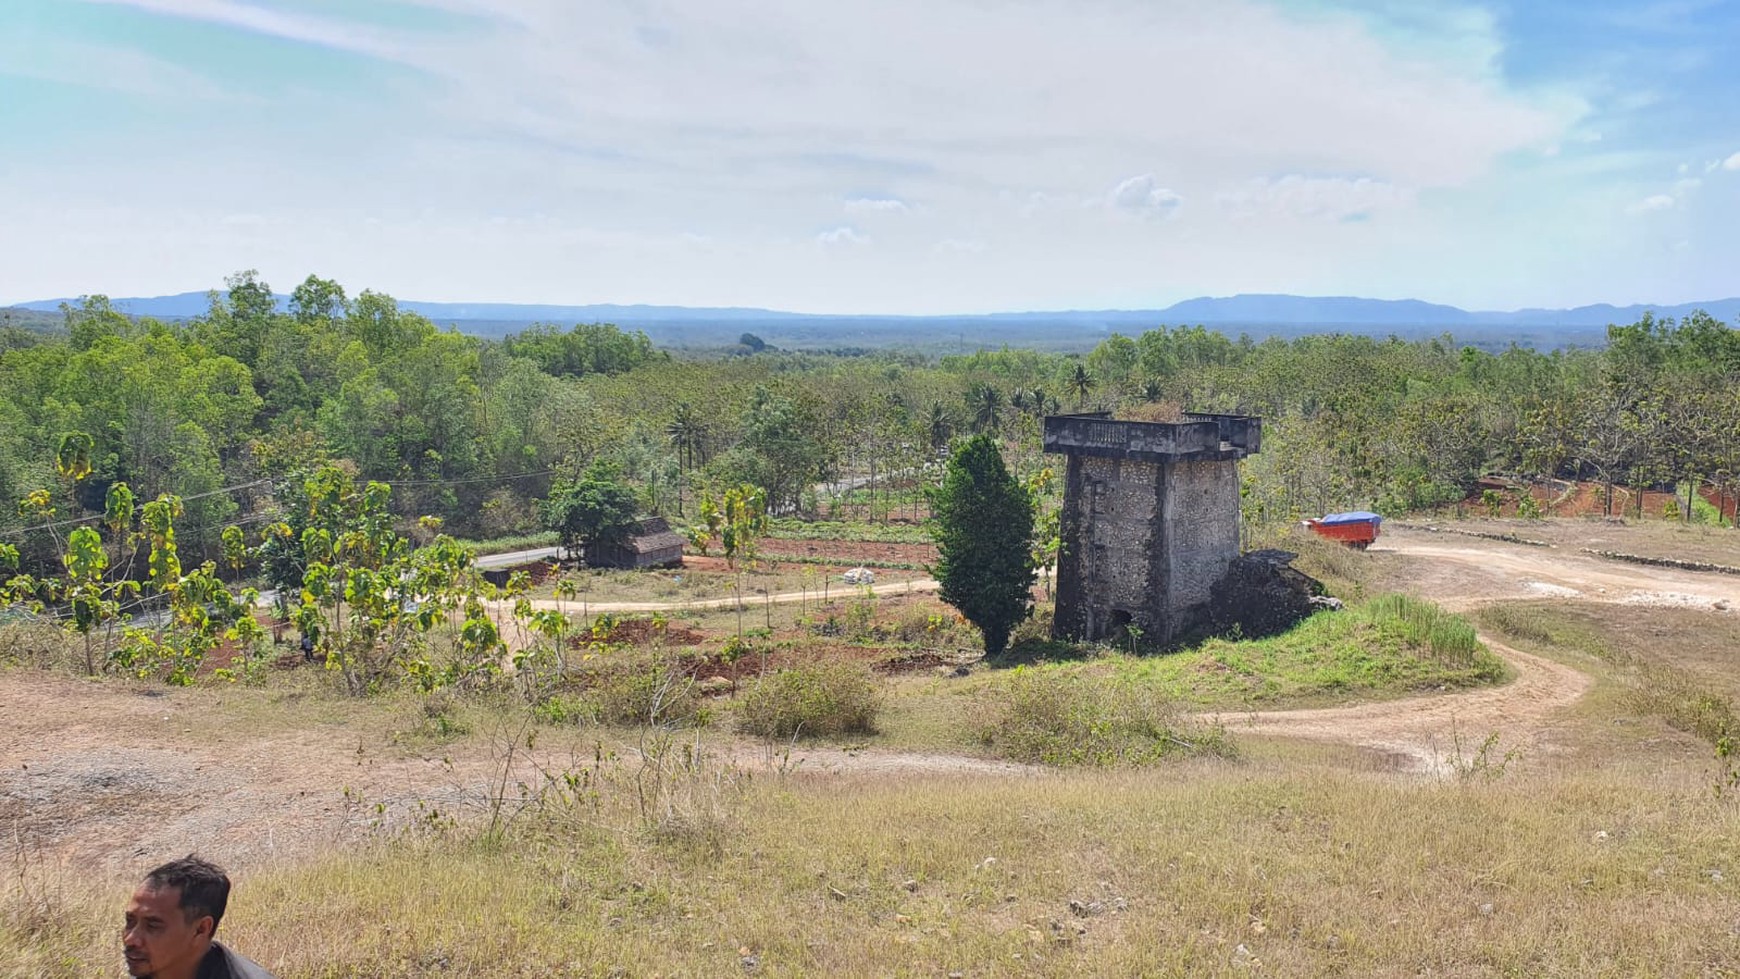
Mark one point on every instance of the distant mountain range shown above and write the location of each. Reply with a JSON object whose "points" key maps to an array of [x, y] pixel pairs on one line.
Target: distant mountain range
{"points": [[1245, 309], [1260, 315]]}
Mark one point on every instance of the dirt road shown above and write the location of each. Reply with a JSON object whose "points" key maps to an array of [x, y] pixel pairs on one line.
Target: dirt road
{"points": [[1422, 733]]}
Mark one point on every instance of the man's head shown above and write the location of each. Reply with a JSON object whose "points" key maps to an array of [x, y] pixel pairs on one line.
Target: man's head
{"points": [[172, 917]]}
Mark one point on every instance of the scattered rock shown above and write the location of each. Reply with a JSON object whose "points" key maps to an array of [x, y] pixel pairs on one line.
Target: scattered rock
{"points": [[1487, 910], [838, 894], [1716, 875], [1601, 836], [1244, 958], [909, 886], [1088, 910], [714, 686], [750, 962]]}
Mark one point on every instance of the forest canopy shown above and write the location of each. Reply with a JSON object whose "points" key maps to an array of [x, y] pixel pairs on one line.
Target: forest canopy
{"points": [[223, 408]]}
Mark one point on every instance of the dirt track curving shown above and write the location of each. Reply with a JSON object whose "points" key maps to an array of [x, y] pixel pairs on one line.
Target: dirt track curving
{"points": [[1432, 734], [1422, 733]]}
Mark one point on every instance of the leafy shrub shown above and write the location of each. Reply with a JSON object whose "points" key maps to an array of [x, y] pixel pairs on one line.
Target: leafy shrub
{"points": [[820, 700], [922, 627], [1053, 718]]}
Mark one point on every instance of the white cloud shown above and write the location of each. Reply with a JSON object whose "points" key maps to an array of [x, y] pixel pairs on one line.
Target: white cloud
{"points": [[885, 205], [627, 122], [1143, 197], [1654, 202], [1327, 198], [1732, 163], [843, 235]]}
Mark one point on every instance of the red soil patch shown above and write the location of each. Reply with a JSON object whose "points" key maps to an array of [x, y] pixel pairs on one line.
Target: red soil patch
{"points": [[646, 632], [1585, 499]]}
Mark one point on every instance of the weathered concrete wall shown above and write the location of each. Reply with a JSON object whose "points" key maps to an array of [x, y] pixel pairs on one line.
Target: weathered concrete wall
{"points": [[1108, 524], [1200, 511], [1150, 522]]}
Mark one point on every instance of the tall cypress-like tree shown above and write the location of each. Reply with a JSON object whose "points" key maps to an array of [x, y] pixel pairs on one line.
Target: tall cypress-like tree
{"points": [[983, 526]]}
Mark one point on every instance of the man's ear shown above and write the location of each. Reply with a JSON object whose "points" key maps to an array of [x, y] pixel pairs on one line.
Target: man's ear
{"points": [[204, 927]]}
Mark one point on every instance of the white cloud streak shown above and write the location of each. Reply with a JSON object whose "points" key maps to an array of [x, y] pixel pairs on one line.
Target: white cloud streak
{"points": [[1653, 203], [843, 235], [327, 33]]}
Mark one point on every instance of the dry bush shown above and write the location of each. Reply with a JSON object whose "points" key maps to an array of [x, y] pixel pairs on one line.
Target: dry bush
{"points": [[40, 643], [819, 700], [648, 691], [1065, 719]]}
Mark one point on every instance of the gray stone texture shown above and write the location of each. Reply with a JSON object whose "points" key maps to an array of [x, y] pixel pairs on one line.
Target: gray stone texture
{"points": [[1150, 522]]}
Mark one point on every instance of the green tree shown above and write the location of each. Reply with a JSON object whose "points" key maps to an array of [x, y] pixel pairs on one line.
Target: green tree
{"points": [[983, 527], [986, 404], [1082, 383], [597, 508]]}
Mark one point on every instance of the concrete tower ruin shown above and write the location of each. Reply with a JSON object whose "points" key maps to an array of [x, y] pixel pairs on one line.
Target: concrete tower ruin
{"points": [[1150, 521]]}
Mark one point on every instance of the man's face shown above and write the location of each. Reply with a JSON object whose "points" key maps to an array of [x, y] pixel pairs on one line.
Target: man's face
{"points": [[159, 939]]}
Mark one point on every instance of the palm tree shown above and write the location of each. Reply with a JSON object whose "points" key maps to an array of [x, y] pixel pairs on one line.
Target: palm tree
{"points": [[938, 426], [986, 403], [1151, 390], [1081, 383], [689, 434], [1041, 401]]}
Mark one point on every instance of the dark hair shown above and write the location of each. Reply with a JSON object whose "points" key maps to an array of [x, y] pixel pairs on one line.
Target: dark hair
{"points": [[204, 887]]}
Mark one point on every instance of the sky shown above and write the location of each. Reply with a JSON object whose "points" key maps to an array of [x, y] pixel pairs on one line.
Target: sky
{"points": [[875, 156]]}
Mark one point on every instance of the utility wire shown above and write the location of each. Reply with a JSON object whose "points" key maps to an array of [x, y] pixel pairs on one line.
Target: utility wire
{"points": [[21, 531], [98, 516]]}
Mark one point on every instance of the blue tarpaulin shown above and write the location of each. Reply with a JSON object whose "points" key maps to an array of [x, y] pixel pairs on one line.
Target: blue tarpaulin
{"points": [[1357, 516]]}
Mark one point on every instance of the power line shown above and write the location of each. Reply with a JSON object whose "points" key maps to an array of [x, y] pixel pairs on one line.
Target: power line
{"points": [[98, 516]]}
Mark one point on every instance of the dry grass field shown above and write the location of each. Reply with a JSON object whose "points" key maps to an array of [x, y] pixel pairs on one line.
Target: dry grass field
{"points": [[1570, 821]]}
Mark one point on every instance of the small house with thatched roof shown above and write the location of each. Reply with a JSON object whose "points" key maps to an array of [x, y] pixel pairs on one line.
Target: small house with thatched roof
{"points": [[652, 544]]}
